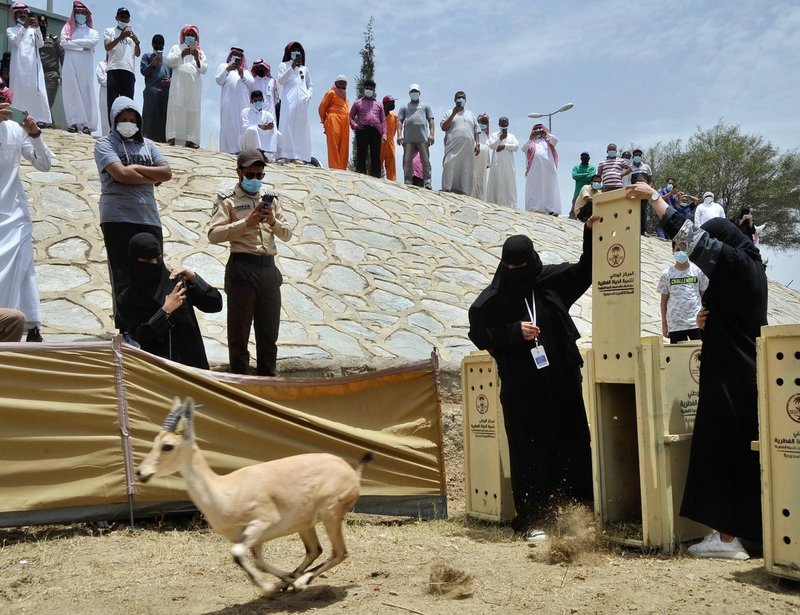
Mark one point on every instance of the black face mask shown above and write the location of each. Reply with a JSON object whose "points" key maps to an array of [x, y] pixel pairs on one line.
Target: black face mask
{"points": [[520, 280], [388, 107], [260, 72]]}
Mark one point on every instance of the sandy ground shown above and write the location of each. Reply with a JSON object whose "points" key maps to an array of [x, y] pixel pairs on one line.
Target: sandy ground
{"points": [[395, 566]]}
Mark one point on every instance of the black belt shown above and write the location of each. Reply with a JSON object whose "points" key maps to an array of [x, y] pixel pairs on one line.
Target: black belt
{"points": [[262, 260]]}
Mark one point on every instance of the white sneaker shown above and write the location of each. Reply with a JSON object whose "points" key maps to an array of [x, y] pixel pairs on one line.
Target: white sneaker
{"points": [[713, 546], [536, 536]]}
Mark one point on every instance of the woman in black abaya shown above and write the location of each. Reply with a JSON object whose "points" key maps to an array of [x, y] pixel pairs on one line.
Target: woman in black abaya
{"points": [[723, 485], [525, 308], [157, 309]]}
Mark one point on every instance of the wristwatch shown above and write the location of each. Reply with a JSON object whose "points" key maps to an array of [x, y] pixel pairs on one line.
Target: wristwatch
{"points": [[654, 197]]}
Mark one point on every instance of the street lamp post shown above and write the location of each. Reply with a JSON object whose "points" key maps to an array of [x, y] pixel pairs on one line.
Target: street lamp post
{"points": [[565, 107]]}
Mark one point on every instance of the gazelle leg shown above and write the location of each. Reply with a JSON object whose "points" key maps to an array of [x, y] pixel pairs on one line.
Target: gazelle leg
{"points": [[313, 550]]}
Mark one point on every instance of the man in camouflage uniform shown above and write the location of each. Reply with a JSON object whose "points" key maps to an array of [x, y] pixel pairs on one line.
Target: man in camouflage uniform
{"points": [[252, 282]]}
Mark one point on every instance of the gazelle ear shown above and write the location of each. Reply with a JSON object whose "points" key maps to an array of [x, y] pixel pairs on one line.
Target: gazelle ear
{"points": [[188, 419]]}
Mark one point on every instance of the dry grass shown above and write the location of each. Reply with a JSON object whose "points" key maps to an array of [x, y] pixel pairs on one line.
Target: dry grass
{"points": [[449, 582], [575, 538]]}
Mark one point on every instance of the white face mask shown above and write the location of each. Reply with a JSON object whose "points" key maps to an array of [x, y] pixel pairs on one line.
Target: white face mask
{"points": [[369, 93], [414, 96], [707, 200], [127, 129]]}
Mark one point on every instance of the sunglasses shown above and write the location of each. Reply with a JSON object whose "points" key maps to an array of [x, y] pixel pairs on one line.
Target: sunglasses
{"points": [[251, 175]]}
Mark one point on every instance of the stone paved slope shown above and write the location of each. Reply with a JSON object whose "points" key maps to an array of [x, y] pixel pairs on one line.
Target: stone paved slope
{"points": [[377, 274]]}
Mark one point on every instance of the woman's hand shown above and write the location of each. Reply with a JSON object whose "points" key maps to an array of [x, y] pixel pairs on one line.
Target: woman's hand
{"points": [[175, 299], [529, 331], [184, 271]]}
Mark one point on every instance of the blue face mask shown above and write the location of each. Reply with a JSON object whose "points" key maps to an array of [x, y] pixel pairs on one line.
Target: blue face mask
{"points": [[258, 105], [461, 102], [637, 159], [122, 25], [189, 40], [669, 187], [483, 126], [612, 153], [597, 186], [295, 54], [251, 185], [681, 257], [80, 19]]}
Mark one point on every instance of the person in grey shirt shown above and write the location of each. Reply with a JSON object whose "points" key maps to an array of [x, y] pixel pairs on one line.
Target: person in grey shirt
{"points": [[129, 166], [415, 133]]}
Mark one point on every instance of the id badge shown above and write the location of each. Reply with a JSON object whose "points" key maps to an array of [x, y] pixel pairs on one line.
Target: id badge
{"points": [[539, 357]]}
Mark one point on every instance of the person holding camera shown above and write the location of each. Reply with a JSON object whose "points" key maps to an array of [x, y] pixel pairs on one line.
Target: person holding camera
{"points": [[462, 143], [157, 78], [26, 76], [122, 49], [188, 63], [157, 309], [293, 115], [18, 287], [236, 82], [542, 193], [250, 221], [502, 185]]}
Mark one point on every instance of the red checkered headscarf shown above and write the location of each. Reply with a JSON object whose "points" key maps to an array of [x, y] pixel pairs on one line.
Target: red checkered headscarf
{"points": [[71, 23]]}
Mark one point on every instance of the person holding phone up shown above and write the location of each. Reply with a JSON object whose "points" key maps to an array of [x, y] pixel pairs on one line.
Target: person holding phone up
{"points": [[236, 82], [26, 75], [250, 222], [157, 309], [18, 287], [122, 49]]}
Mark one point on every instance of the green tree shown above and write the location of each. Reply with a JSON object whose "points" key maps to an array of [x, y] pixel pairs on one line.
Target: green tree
{"points": [[367, 54], [742, 171]]}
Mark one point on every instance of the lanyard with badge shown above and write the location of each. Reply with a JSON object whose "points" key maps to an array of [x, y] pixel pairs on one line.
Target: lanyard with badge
{"points": [[537, 352]]}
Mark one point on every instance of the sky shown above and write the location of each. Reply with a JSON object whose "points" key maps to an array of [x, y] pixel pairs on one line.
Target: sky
{"points": [[636, 75]]}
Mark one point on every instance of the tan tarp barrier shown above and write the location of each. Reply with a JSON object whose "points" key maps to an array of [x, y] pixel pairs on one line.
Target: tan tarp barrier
{"points": [[70, 414]]}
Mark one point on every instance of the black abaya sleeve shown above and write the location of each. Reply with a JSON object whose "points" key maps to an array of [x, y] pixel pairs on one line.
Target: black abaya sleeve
{"points": [[203, 296], [486, 329], [570, 281]]}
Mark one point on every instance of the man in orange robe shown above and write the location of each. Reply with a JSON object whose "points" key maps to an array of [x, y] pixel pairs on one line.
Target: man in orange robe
{"points": [[388, 160], [334, 113]]}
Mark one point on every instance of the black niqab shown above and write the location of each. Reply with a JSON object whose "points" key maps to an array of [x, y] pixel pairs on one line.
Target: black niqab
{"points": [[520, 280]]}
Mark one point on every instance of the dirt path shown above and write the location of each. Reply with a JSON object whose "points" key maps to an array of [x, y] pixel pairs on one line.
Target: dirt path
{"points": [[183, 568]]}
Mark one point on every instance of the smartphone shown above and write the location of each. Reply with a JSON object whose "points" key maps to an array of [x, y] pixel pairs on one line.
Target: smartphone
{"points": [[237, 60], [17, 115], [267, 198]]}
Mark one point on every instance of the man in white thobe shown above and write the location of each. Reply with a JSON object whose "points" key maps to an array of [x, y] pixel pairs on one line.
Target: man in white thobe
{"points": [[78, 39], [188, 63], [18, 287], [296, 91], [26, 76], [541, 179], [502, 184], [264, 82], [482, 160], [461, 145], [102, 80], [236, 82], [258, 127]]}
